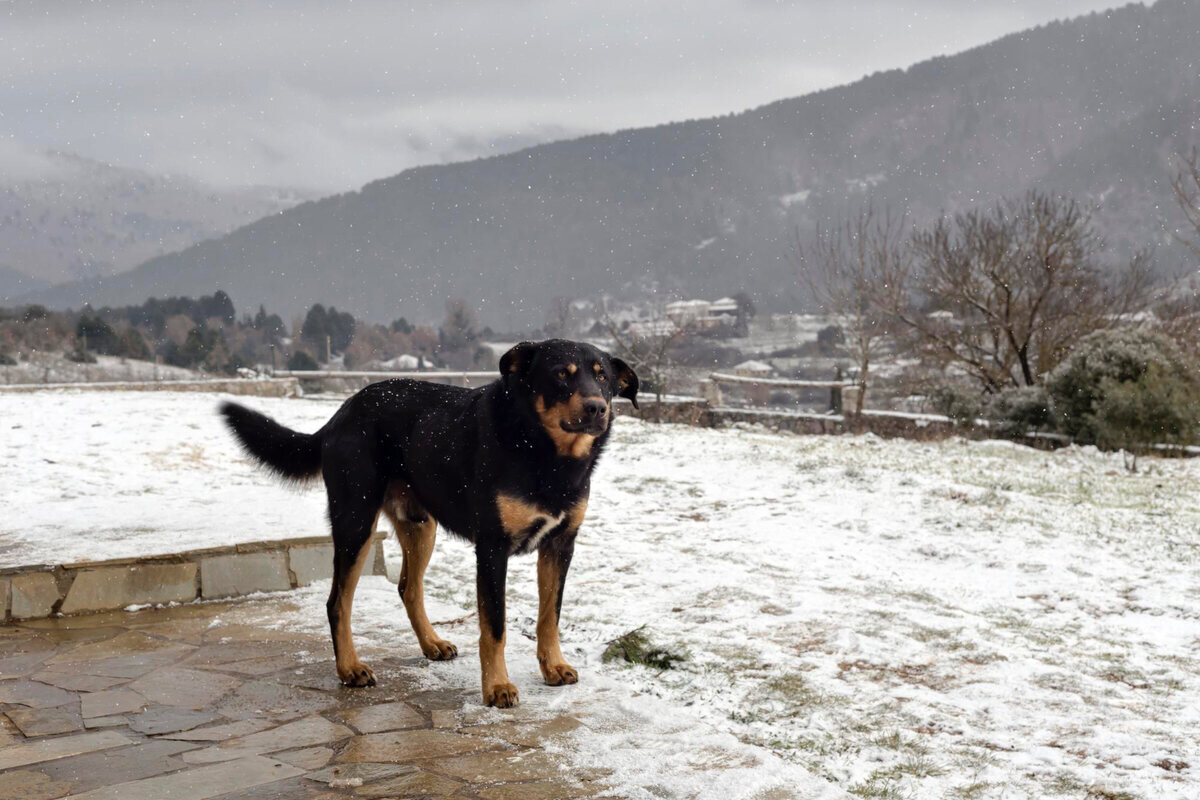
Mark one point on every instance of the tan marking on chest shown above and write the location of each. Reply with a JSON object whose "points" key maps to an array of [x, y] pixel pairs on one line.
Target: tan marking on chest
{"points": [[524, 522]]}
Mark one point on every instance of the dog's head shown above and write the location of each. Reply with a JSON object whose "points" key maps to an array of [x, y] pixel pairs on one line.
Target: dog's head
{"points": [[571, 386]]}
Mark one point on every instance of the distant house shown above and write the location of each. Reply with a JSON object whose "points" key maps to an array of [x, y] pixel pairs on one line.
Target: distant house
{"points": [[703, 314], [653, 328], [688, 313], [753, 369], [407, 363]]}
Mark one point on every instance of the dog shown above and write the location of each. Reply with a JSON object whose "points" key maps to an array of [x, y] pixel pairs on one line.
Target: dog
{"points": [[506, 466]]}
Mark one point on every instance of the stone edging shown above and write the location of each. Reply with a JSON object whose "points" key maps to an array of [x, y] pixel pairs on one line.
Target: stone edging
{"points": [[44, 590]]}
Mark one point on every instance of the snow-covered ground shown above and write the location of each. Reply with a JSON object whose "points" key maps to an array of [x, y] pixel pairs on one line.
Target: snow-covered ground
{"points": [[96, 475], [904, 619], [56, 368]]}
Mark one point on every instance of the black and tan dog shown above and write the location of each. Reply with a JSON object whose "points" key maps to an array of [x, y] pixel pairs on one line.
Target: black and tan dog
{"points": [[506, 466]]}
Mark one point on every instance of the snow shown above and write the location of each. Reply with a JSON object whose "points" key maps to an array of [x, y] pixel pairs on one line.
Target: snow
{"points": [[100, 475], [789, 200], [902, 619]]}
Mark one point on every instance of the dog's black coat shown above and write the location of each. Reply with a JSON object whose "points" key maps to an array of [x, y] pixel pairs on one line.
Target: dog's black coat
{"points": [[451, 452]]}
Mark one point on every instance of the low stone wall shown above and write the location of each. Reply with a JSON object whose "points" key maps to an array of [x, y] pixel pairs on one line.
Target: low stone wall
{"points": [[260, 387], [887, 424], [89, 586]]}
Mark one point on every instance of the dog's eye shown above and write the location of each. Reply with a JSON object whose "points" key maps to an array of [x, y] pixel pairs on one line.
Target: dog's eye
{"points": [[562, 374], [600, 376]]}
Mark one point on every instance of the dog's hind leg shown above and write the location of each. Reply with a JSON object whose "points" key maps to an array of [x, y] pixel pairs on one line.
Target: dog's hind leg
{"points": [[352, 517], [416, 534]]}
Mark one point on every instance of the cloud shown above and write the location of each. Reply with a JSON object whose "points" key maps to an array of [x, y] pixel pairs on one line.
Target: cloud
{"points": [[20, 162], [331, 95]]}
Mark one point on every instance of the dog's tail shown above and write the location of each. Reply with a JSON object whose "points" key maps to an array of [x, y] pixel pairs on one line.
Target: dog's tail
{"points": [[288, 453]]}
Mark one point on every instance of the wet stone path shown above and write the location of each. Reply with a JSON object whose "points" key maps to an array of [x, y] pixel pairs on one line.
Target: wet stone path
{"points": [[166, 703]]}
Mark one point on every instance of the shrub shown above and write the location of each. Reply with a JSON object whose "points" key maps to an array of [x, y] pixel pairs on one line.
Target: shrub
{"points": [[635, 647], [302, 361], [1112, 378], [1016, 411], [1160, 407], [962, 406], [81, 356]]}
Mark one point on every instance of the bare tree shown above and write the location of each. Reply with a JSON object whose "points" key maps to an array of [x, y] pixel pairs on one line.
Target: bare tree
{"points": [[559, 318], [1187, 194], [852, 272], [1003, 293], [647, 348]]}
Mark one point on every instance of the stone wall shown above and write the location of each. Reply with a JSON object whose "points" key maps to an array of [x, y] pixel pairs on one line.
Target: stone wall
{"points": [[261, 387], [886, 424], [89, 586]]}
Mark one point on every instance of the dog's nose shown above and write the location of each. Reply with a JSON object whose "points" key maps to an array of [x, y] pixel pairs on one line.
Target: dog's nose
{"points": [[595, 409]]}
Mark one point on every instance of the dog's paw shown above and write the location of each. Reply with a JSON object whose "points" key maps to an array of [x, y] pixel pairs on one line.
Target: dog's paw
{"points": [[559, 674], [357, 675], [500, 695], [439, 650]]}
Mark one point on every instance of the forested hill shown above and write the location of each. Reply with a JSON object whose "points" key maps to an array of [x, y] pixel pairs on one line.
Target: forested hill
{"points": [[1096, 106]]}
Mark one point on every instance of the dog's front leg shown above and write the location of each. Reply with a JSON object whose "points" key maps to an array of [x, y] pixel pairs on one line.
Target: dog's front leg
{"points": [[554, 559], [491, 572]]}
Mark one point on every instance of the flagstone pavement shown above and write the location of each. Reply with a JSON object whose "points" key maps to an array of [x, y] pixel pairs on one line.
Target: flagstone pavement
{"points": [[160, 703]]}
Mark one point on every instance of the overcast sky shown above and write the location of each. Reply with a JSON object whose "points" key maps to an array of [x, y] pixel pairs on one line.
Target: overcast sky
{"points": [[327, 96]]}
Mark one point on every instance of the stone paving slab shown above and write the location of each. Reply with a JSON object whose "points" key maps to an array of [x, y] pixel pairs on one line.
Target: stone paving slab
{"points": [[201, 702], [200, 783], [35, 752], [110, 702], [45, 721]]}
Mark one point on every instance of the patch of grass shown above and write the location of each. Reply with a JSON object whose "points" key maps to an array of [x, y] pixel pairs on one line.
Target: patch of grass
{"points": [[896, 741], [791, 687], [924, 634], [971, 791], [919, 766], [1100, 793], [636, 647], [1064, 783], [876, 789]]}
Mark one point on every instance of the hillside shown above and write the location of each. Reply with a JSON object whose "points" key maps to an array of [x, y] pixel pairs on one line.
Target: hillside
{"points": [[68, 218], [1097, 106]]}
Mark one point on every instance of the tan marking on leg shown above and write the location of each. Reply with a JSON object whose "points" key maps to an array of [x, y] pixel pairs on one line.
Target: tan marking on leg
{"points": [[498, 691], [416, 544], [575, 515], [351, 671], [555, 669]]}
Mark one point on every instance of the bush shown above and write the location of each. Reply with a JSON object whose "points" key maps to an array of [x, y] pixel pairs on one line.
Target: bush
{"points": [[830, 340], [1016, 411], [960, 405], [302, 361], [81, 356], [1112, 379], [1158, 408]]}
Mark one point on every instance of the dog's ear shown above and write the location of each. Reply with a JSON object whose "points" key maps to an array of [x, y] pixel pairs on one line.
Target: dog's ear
{"points": [[627, 380], [517, 359]]}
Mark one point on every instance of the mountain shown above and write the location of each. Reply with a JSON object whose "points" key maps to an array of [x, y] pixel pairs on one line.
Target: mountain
{"points": [[65, 218], [1097, 106], [14, 283]]}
